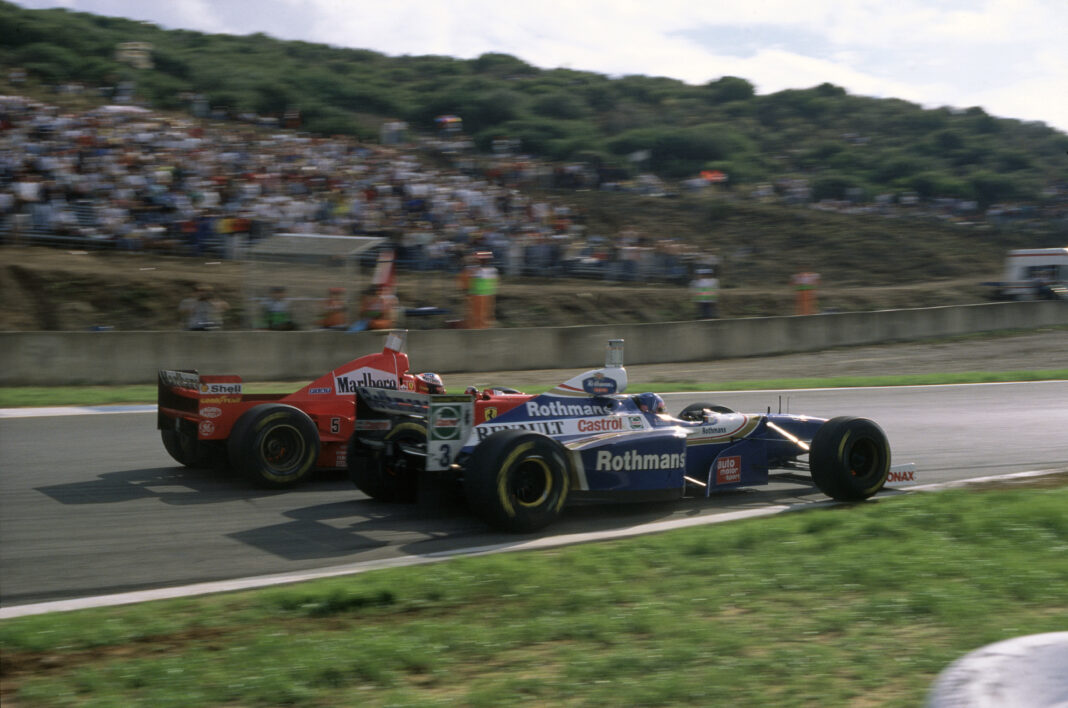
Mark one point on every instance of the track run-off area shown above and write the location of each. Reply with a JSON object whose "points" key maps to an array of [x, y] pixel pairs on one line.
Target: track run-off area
{"points": [[93, 511]]}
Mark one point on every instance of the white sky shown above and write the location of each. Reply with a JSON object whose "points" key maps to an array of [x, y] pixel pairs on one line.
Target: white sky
{"points": [[1008, 56]]}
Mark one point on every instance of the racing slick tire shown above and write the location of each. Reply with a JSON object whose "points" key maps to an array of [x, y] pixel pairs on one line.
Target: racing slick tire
{"points": [[517, 480], [274, 445], [693, 411], [389, 474], [849, 458]]}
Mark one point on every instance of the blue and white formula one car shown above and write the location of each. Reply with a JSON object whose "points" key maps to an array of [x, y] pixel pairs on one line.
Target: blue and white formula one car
{"points": [[521, 457]]}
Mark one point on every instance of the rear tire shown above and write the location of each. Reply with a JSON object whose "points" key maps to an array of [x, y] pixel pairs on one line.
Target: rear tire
{"points": [[389, 474], [694, 411], [274, 445], [849, 458], [518, 481]]}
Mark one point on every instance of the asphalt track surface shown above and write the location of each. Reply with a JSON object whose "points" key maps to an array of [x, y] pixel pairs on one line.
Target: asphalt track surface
{"points": [[93, 505]]}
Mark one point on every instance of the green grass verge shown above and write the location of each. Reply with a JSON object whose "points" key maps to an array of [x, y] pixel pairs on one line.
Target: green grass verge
{"points": [[24, 396], [850, 605]]}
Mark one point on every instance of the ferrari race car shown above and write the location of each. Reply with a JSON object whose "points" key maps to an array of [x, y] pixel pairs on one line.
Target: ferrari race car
{"points": [[276, 439], [521, 458]]}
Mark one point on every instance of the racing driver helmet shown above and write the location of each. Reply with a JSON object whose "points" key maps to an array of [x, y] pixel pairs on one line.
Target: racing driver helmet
{"points": [[429, 382], [651, 403]]}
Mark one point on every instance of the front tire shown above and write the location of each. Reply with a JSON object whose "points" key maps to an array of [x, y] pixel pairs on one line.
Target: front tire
{"points": [[518, 481], [274, 445], [392, 473], [849, 458]]}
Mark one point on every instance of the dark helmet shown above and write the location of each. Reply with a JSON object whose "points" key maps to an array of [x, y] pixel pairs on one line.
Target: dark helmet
{"points": [[651, 403], [431, 382]]}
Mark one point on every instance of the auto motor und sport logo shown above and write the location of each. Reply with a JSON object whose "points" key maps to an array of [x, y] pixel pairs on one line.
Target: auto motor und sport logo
{"points": [[446, 423], [729, 469]]}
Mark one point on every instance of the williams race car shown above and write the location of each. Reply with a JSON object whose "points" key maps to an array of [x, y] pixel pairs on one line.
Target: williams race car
{"points": [[276, 439], [520, 458]]}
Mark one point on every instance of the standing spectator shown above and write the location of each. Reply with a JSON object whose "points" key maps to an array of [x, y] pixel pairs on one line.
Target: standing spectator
{"points": [[202, 311], [806, 283], [276, 314], [482, 292], [706, 294]]}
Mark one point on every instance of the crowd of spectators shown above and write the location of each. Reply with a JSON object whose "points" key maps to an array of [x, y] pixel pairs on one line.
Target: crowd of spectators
{"points": [[125, 178]]}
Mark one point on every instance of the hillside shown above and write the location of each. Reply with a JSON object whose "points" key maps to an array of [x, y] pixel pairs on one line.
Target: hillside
{"points": [[842, 146]]}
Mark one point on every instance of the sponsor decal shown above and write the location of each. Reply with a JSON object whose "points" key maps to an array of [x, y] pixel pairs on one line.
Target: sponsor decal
{"points": [[634, 460], [556, 409], [637, 422], [206, 427], [599, 384], [216, 388], [600, 425], [371, 425], [317, 391], [341, 459], [729, 469], [367, 378], [180, 379], [210, 412], [902, 476], [713, 430], [446, 423], [548, 427], [222, 399], [490, 413]]}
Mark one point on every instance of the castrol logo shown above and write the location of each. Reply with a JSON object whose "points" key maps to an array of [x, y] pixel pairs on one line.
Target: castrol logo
{"points": [[599, 425]]}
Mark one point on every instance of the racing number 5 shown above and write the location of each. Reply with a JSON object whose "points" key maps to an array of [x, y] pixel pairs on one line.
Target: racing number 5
{"points": [[335, 425]]}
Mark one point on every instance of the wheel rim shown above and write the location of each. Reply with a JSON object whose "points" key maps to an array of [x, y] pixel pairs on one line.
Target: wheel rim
{"points": [[282, 449], [532, 482], [863, 458]]}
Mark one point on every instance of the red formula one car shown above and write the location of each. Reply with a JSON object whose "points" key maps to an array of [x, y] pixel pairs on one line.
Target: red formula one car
{"points": [[276, 439]]}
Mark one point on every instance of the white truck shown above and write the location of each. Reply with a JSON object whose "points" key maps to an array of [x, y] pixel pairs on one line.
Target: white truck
{"points": [[1034, 274]]}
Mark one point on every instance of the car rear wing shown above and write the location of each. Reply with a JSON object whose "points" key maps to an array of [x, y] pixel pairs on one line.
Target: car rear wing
{"points": [[449, 419], [183, 390]]}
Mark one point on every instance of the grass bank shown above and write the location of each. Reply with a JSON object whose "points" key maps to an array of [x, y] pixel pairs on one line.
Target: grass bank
{"points": [[850, 605], [26, 396]]}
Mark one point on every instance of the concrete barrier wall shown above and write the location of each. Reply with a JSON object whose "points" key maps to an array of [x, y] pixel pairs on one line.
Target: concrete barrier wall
{"points": [[66, 358]]}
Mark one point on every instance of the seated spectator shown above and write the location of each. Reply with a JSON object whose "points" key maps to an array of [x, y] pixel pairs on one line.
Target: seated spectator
{"points": [[333, 315], [378, 309]]}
